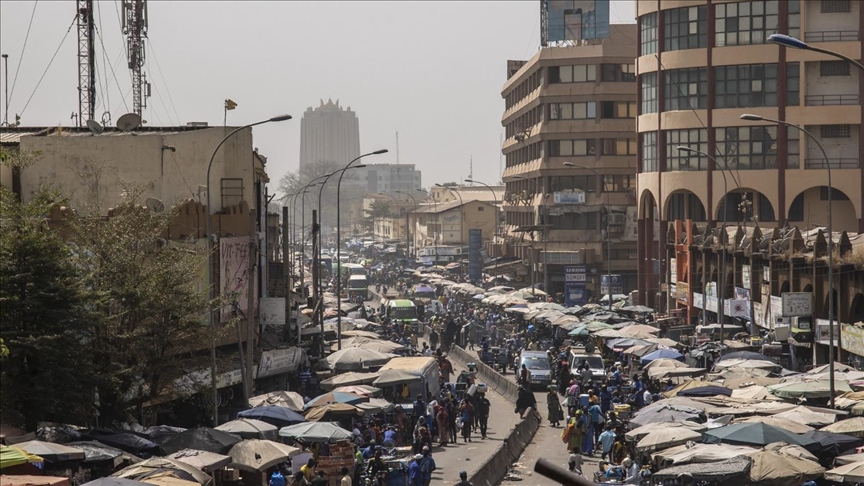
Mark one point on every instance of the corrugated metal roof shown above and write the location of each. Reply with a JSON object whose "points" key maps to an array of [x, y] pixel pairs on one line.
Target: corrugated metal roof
{"points": [[8, 138], [441, 207]]}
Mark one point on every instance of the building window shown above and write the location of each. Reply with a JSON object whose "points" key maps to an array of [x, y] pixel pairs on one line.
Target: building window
{"points": [[835, 131], [618, 72], [836, 195], [619, 183], [696, 139], [480, 209], [747, 86], [575, 221], [565, 148], [648, 33], [793, 84], [746, 148], [833, 68], [793, 148], [623, 254], [836, 6], [686, 89], [649, 151], [568, 183], [794, 7], [617, 109], [617, 146], [745, 23], [573, 111], [649, 93], [685, 28], [573, 74]]}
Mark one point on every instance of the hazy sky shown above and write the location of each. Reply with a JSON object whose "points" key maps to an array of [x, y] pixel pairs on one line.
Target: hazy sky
{"points": [[432, 71]]}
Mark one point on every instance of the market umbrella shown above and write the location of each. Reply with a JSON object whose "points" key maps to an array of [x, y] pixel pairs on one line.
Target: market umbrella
{"points": [[745, 355], [376, 405], [50, 451], [777, 469], [579, 331], [13, 456], [665, 414], [248, 428], [706, 391], [661, 353], [746, 364], [315, 432], [287, 399], [359, 333], [95, 451], [393, 377], [333, 397], [155, 465], [808, 389], [639, 328], [125, 441], [260, 455], [355, 359], [278, 416], [377, 345], [758, 434], [669, 343], [754, 392], [203, 460], [849, 473], [333, 412], [162, 433], [782, 423], [109, 481], [792, 450], [835, 443], [167, 478], [702, 453], [637, 309], [639, 433], [609, 333], [25, 480], [804, 415], [848, 459], [827, 367], [666, 437], [365, 391], [345, 379], [687, 386], [202, 438]]}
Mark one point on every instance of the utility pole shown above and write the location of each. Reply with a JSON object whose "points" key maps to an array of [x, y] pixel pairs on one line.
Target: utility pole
{"points": [[135, 30], [249, 382], [6, 109], [86, 60]]}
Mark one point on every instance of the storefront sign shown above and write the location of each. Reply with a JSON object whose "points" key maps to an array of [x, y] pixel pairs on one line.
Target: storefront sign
{"points": [[797, 304], [615, 281], [852, 339], [234, 273], [681, 291], [745, 277], [822, 332], [766, 274], [574, 285], [272, 311], [758, 314], [569, 197], [278, 361], [698, 300], [673, 270]]}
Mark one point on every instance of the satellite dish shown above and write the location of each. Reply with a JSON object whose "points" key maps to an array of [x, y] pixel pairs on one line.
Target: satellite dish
{"points": [[154, 205], [95, 127], [128, 122]]}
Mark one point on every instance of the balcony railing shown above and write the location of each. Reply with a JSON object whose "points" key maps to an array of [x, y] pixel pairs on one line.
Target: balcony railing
{"points": [[831, 36], [842, 163], [832, 100]]}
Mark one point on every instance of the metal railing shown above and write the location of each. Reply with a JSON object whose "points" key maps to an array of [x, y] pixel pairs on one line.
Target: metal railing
{"points": [[839, 163], [831, 36], [832, 100]]}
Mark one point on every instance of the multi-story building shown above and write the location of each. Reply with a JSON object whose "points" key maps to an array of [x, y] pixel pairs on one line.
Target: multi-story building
{"points": [[329, 133], [702, 64], [442, 194], [570, 153], [389, 178]]}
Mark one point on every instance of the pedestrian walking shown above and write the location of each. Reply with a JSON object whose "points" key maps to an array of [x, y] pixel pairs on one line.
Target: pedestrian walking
{"points": [[483, 408], [554, 412]]}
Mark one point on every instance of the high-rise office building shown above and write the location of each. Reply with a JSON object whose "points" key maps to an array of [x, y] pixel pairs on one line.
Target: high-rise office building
{"points": [[329, 133]]}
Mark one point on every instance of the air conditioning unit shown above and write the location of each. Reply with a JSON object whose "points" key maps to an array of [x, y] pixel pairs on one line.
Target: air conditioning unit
{"points": [[805, 322], [617, 219]]}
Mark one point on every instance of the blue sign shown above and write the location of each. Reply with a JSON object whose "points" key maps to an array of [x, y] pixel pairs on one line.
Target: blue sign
{"points": [[574, 285], [475, 259], [575, 20]]}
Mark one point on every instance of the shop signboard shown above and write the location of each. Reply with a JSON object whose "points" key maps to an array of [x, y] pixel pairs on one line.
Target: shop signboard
{"points": [[797, 304], [271, 311], [673, 270], [569, 197], [852, 339], [823, 332], [745, 277], [698, 300], [574, 285], [615, 281], [278, 361]]}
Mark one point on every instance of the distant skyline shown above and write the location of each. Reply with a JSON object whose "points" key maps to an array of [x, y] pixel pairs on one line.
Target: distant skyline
{"points": [[432, 71]]}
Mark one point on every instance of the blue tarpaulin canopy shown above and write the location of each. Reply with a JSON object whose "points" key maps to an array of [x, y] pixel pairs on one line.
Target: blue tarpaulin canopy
{"points": [[661, 353]]}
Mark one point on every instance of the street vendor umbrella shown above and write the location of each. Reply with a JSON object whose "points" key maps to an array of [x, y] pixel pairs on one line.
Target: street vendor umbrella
{"points": [[838, 367], [808, 389], [639, 433], [287, 399], [667, 437], [392, 377], [278, 416], [782, 423], [203, 439], [376, 405], [203, 460], [625, 343], [804, 415], [848, 459], [333, 397], [701, 453], [95, 451], [579, 331], [363, 334], [689, 385], [125, 441], [777, 469], [248, 428], [13, 456], [746, 364], [706, 391], [849, 474], [365, 391], [635, 329], [162, 433], [347, 379], [637, 309], [25, 480], [50, 451], [260, 455], [661, 353], [334, 412], [757, 434], [852, 426], [315, 432], [745, 355], [355, 359], [109, 481], [665, 414], [155, 465], [378, 345], [833, 443]]}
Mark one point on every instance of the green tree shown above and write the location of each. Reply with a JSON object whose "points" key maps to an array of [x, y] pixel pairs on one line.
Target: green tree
{"points": [[378, 209], [45, 314]]}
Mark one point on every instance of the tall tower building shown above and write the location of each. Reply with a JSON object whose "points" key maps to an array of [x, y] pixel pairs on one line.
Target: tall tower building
{"points": [[329, 133]]}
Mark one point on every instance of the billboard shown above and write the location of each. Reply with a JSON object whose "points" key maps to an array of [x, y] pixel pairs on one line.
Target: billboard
{"points": [[234, 274], [475, 259], [569, 197], [574, 285], [576, 20]]}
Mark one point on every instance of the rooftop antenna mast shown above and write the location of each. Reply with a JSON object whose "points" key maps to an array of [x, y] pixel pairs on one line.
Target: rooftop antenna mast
{"points": [[135, 30], [86, 60], [471, 169], [397, 147]]}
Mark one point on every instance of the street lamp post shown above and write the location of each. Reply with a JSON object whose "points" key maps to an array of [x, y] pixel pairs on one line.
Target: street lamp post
{"points": [[407, 224], [497, 218], [543, 211], [339, 243], [789, 41], [608, 225], [721, 301], [395, 201], [749, 117], [461, 212], [210, 251]]}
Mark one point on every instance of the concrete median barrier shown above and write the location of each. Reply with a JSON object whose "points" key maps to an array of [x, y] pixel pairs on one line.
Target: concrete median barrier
{"points": [[495, 469], [485, 374]]}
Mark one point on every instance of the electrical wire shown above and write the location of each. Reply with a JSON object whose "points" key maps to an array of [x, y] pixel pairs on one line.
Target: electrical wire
{"points": [[47, 67], [164, 106], [23, 48], [113, 74], [105, 93], [164, 83]]}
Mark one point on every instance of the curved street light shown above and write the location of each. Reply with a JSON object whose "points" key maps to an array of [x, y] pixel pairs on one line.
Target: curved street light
{"points": [[750, 117], [461, 212], [545, 238], [789, 41], [497, 218], [407, 225], [211, 288]]}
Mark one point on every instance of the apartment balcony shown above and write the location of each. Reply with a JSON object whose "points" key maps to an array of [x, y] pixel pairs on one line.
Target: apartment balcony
{"points": [[831, 36], [835, 163], [832, 100]]}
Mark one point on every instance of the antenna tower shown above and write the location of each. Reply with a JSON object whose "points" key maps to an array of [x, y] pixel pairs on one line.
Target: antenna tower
{"points": [[471, 169], [397, 148], [86, 60], [135, 30]]}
